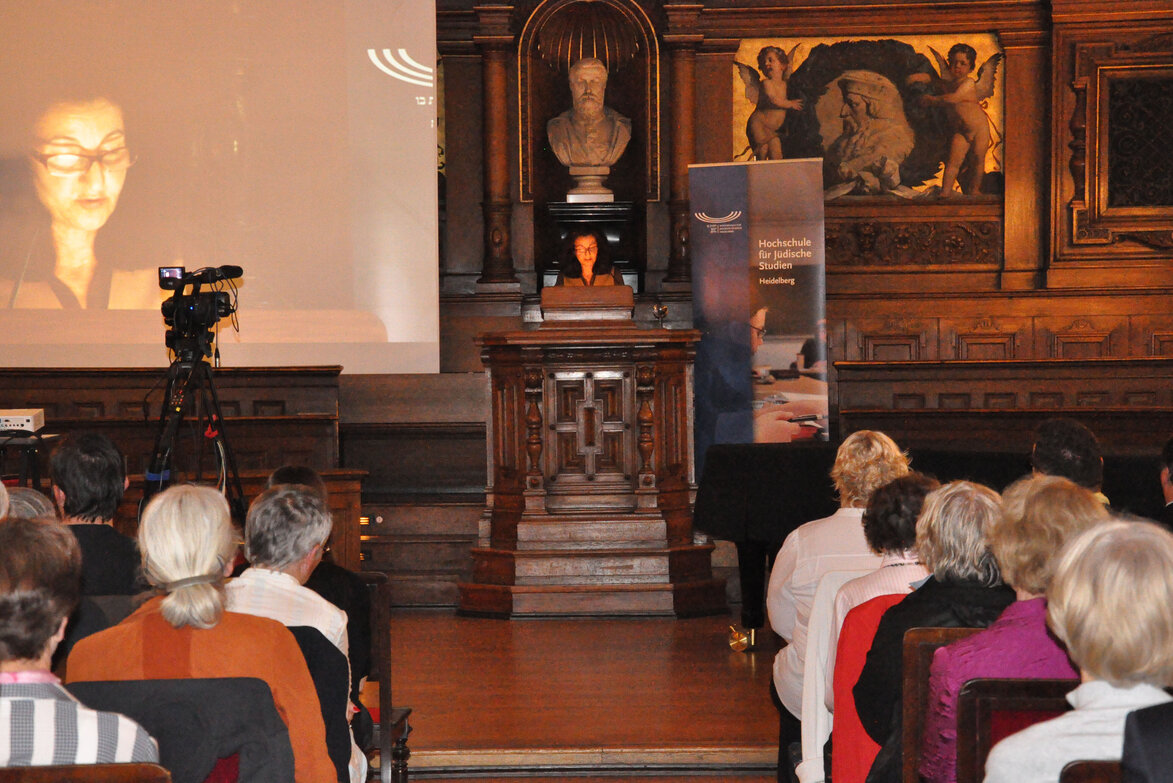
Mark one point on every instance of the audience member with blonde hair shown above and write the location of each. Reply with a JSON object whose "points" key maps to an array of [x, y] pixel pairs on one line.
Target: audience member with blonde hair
{"points": [[964, 590], [188, 545], [40, 722], [1109, 603], [1039, 515], [864, 461]]}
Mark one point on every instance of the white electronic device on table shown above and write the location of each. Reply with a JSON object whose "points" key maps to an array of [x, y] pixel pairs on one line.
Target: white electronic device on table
{"points": [[22, 419]]}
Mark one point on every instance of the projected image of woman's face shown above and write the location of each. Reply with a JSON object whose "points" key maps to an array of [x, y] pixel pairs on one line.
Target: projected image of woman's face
{"points": [[80, 162]]}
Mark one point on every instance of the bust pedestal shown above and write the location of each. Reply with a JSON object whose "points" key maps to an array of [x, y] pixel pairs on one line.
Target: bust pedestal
{"points": [[589, 468]]}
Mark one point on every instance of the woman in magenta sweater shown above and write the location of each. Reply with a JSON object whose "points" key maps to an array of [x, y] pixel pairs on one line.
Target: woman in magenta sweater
{"points": [[1039, 514]]}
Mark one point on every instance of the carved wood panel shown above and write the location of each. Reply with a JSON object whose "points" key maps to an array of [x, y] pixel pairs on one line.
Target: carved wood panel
{"points": [[1092, 337], [587, 413], [1113, 207], [984, 338], [891, 340]]}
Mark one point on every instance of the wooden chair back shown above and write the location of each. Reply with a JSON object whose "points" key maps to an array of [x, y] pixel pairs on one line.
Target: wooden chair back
{"points": [[1092, 772], [208, 729], [919, 646], [87, 773], [391, 724], [990, 709]]}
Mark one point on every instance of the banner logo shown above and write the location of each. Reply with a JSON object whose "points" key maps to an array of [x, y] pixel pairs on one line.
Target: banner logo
{"points": [[400, 66], [705, 218]]}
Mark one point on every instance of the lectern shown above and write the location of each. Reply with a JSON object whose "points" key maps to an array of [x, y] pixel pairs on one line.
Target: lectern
{"points": [[590, 455]]}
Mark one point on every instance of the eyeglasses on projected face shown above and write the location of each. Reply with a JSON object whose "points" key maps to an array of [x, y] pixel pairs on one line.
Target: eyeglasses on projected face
{"points": [[72, 164]]}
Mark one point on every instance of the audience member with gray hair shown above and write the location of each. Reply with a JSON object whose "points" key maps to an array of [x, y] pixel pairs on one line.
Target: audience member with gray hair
{"points": [[965, 590], [285, 537], [28, 503], [188, 546], [343, 588]]}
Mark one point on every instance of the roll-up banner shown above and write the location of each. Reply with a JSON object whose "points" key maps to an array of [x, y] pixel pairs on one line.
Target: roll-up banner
{"points": [[759, 289]]}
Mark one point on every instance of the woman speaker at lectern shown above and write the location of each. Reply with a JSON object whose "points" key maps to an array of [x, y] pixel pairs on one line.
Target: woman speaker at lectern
{"points": [[586, 260]]}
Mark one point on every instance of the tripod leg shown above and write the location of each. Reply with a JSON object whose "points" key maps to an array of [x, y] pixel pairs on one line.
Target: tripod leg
{"points": [[232, 488], [158, 475]]}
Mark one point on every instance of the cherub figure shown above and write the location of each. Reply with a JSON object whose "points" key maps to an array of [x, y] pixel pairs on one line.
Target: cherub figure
{"points": [[768, 94], [962, 102]]}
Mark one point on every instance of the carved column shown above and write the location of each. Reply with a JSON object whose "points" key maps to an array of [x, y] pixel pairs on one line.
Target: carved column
{"points": [[682, 44], [1027, 155], [645, 376], [535, 477], [495, 42]]}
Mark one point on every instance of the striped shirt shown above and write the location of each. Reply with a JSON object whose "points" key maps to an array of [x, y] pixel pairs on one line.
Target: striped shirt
{"points": [[41, 724]]}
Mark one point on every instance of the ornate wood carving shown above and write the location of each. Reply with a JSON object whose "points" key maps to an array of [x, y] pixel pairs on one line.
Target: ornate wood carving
{"points": [[1081, 340], [533, 426], [984, 339], [644, 375], [917, 243], [611, 530], [1115, 115]]}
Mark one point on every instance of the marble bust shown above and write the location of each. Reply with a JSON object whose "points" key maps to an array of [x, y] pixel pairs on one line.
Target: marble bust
{"points": [[589, 138]]}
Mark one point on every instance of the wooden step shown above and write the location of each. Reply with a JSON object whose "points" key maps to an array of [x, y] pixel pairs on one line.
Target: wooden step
{"points": [[591, 533], [667, 600]]}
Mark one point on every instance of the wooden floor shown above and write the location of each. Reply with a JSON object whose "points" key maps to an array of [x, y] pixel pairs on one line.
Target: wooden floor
{"points": [[625, 699]]}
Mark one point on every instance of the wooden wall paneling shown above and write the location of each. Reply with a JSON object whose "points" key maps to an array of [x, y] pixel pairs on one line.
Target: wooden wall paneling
{"points": [[892, 339], [1081, 337], [1151, 335], [714, 104], [985, 337], [421, 439], [986, 404], [874, 245], [417, 462], [1097, 245], [272, 415]]}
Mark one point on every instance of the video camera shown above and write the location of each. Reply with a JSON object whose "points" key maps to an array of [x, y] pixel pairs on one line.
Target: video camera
{"points": [[192, 316]]}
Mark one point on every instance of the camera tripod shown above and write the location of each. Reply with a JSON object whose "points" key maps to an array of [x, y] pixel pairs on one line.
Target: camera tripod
{"points": [[190, 388]]}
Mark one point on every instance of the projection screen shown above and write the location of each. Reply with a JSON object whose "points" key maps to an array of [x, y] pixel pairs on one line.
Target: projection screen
{"points": [[296, 140]]}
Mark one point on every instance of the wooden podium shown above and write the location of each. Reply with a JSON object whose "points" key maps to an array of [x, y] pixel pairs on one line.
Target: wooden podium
{"points": [[590, 454]]}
